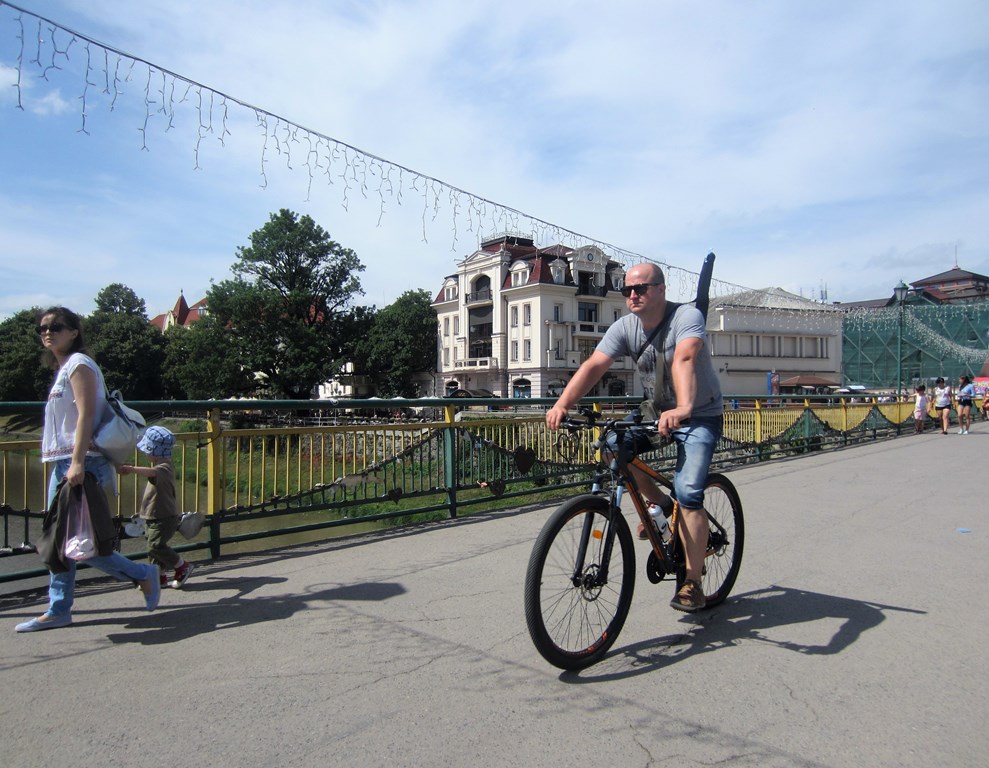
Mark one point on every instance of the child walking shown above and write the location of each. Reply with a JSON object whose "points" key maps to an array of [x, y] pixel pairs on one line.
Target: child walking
{"points": [[920, 409], [158, 504]]}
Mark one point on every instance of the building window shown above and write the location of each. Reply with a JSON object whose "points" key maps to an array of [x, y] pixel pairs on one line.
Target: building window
{"points": [[790, 347], [557, 313], [585, 348], [450, 292], [446, 326], [746, 345], [527, 350], [522, 388], [515, 351], [446, 357], [767, 346], [520, 277], [558, 349], [527, 314], [515, 316], [456, 326], [587, 312]]}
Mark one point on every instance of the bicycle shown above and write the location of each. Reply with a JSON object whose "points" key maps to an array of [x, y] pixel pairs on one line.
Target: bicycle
{"points": [[578, 584]]}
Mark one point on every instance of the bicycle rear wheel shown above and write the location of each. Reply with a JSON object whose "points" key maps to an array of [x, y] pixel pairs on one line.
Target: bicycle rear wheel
{"points": [[725, 543], [578, 586]]}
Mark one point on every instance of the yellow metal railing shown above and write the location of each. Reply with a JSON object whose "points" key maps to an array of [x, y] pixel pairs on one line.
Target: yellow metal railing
{"points": [[382, 469]]}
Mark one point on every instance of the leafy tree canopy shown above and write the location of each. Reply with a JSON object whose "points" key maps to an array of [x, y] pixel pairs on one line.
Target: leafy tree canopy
{"points": [[288, 312], [117, 298], [23, 378], [401, 341], [129, 350], [200, 365]]}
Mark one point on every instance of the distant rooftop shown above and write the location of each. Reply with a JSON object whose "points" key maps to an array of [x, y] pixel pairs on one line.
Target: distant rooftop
{"points": [[770, 298]]}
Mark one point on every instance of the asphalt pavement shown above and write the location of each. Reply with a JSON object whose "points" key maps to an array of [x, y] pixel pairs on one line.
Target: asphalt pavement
{"points": [[855, 636]]}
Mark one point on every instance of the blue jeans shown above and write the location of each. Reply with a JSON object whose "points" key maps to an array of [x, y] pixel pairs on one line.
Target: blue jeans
{"points": [[696, 443], [62, 586]]}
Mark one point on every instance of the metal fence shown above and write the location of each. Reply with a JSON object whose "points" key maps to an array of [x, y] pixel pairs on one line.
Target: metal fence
{"points": [[300, 470]]}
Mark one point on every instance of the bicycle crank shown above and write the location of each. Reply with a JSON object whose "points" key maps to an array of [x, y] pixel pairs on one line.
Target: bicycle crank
{"points": [[654, 569]]}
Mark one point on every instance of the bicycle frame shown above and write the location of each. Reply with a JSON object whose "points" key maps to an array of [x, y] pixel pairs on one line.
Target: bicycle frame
{"points": [[668, 557], [622, 480]]}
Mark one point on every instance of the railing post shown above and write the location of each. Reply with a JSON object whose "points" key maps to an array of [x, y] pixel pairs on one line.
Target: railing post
{"points": [[807, 421], [844, 421], [214, 481], [758, 429], [450, 458]]}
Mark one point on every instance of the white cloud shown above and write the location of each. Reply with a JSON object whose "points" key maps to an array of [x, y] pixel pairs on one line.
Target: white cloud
{"points": [[804, 142]]}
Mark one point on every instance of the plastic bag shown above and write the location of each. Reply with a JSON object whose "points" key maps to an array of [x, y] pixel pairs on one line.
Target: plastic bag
{"points": [[80, 538]]}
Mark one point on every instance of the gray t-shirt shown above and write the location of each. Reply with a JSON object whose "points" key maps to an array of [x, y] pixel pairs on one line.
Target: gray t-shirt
{"points": [[626, 337]]}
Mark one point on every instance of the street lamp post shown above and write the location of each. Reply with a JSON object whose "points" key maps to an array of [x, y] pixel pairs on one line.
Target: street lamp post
{"points": [[900, 292]]}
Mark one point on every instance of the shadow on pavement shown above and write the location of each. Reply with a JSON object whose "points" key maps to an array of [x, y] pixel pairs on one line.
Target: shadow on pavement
{"points": [[749, 617], [180, 623]]}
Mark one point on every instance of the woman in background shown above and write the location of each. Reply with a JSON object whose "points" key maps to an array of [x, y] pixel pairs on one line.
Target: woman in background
{"points": [[942, 403], [966, 396]]}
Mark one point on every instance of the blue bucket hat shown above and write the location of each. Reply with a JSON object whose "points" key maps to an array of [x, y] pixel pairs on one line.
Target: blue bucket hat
{"points": [[157, 441]]}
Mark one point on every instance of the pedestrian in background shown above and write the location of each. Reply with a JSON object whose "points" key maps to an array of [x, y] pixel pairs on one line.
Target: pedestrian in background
{"points": [[942, 403], [966, 396], [920, 409]]}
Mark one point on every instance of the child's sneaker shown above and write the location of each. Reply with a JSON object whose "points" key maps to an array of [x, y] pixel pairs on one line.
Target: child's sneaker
{"points": [[163, 580], [182, 574]]}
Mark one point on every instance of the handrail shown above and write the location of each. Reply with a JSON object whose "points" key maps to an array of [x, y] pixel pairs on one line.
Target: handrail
{"points": [[306, 467]]}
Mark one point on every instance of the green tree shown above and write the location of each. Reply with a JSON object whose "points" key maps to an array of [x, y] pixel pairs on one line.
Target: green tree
{"points": [[117, 298], [401, 341], [23, 378], [129, 350], [200, 364], [287, 312]]}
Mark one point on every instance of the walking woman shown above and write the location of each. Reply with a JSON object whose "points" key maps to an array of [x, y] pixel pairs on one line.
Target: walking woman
{"points": [[76, 405], [942, 403], [966, 396]]}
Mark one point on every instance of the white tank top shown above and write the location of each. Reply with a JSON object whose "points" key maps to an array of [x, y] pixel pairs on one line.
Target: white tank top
{"points": [[61, 413]]}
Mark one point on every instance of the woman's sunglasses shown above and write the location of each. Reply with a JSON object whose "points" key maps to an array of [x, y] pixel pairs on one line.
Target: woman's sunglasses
{"points": [[54, 328], [638, 290]]}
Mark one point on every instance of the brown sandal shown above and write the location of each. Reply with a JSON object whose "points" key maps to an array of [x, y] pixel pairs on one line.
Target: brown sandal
{"points": [[690, 598]]}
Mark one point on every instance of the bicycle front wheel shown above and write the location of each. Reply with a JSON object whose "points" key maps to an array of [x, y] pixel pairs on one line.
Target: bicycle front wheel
{"points": [[578, 586]]}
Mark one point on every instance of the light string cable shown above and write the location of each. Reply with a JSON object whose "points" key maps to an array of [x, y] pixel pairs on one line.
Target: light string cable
{"points": [[109, 69]]}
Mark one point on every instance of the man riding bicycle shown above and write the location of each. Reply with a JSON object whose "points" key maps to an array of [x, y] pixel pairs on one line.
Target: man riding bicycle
{"points": [[667, 342]]}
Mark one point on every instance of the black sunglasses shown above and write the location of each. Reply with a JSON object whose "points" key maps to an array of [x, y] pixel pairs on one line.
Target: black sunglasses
{"points": [[54, 328], [639, 289]]}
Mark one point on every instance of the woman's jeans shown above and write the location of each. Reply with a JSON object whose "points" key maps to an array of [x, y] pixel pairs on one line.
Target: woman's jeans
{"points": [[62, 586]]}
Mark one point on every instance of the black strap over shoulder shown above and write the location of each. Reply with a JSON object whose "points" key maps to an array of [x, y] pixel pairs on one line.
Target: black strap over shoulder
{"points": [[671, 308]]}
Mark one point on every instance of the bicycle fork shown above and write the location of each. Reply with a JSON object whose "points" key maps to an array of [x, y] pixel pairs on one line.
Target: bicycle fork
{"points": [[595, 575]]}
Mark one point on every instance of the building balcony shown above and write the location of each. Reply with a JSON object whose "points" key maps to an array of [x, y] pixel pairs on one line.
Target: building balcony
{"points": [[591, 290], [584, 328], [484, 296], [477, 364]]}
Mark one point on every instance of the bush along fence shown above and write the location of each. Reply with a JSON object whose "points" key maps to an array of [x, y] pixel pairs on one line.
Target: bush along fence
{"points": [[292, 471]]}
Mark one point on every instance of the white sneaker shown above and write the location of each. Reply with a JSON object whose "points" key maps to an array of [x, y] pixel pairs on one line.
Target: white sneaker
{"points": [[961, 431], [965, 432]]}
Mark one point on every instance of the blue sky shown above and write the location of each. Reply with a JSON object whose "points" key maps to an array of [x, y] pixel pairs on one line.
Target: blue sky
{"points": [[809, 144]]}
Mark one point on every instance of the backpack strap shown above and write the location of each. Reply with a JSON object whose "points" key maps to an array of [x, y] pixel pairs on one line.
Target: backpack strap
{"points": [[671, 308]]}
